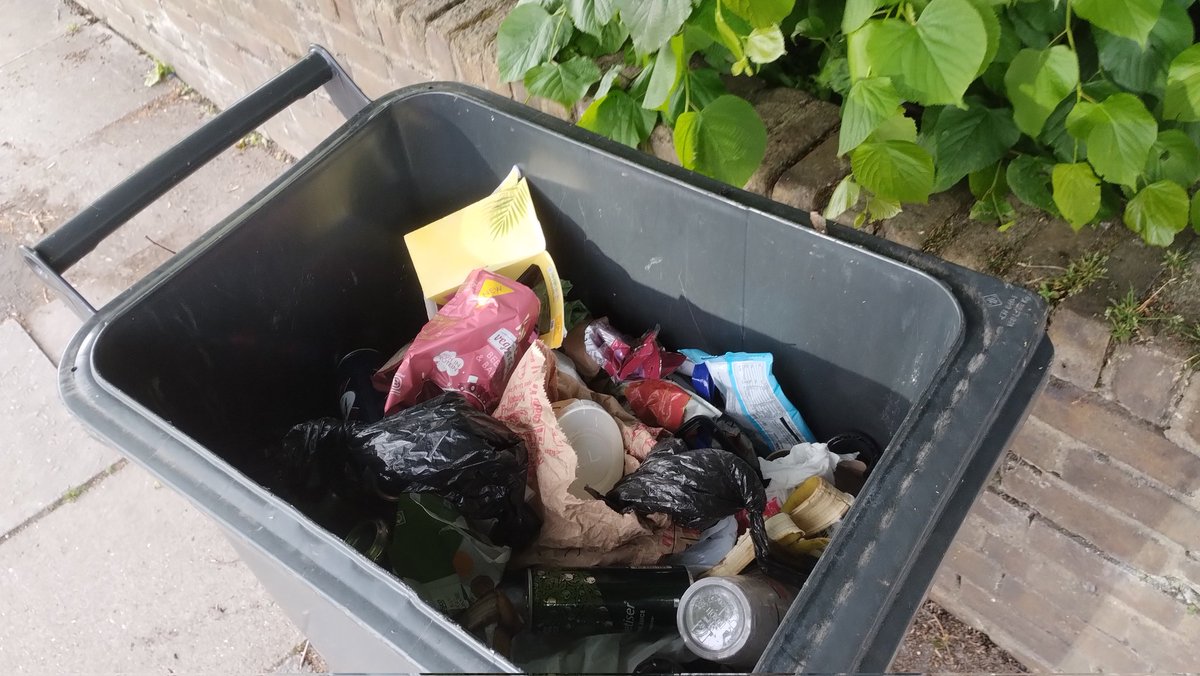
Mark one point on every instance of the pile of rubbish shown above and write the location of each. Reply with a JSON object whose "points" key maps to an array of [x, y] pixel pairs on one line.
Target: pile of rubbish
{"points": [[579, 499]]}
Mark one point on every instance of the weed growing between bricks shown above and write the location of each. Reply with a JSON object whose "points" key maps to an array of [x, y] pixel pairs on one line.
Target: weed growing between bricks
{"points": [[1075, 278], [1130, 315]]}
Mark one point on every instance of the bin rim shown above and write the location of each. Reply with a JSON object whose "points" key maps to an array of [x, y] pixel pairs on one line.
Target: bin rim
{"points": [[1001, 325]]}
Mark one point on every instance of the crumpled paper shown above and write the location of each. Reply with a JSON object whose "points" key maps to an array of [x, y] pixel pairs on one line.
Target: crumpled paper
{"points": [[576, 532]]}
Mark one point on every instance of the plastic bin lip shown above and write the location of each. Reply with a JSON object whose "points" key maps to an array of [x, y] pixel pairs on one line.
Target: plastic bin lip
{"points": [[943, 429]]}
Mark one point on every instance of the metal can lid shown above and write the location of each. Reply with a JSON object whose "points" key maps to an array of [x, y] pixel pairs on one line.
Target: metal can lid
{"points": [[715, 619]]}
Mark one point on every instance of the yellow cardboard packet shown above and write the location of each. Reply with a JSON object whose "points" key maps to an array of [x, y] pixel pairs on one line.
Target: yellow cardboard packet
{"points": [[501, 233]]}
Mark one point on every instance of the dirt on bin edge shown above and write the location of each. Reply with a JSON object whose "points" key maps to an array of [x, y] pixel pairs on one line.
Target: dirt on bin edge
{"points": [[938, 642]]}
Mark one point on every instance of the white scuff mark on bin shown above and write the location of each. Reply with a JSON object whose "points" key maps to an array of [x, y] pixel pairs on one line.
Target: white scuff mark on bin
{"points": [[653, 261]]}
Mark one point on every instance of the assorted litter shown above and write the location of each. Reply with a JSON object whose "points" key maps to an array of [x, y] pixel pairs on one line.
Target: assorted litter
{"points": [[578, 499]]}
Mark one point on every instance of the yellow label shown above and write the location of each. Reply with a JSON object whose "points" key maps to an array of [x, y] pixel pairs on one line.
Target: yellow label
{"points": [[491, 288]]}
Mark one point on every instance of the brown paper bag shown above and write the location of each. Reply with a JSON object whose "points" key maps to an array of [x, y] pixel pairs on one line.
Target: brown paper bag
{"points": [[575, 532]]}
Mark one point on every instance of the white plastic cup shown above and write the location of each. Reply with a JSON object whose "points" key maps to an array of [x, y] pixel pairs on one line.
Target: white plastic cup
{"points": [[598, 447]]}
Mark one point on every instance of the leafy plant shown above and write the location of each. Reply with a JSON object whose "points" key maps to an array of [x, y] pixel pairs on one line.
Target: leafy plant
{"points": [[159, 72], [1085, 109], [650, 62]]}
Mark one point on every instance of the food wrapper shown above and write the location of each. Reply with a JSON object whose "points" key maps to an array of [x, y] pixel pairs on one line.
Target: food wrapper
{"points": [[575, 532], [625, 360], [472, 345], [754, 398], [658, 402]]}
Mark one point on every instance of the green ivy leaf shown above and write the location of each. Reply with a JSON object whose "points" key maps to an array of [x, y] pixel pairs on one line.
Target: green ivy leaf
{"points": [[1029, 178], [857, 12], [991, 26], [880, 209], [1196, 212], [1006, 51], [761, 13], [607, 80], [934, 60], [1145, 69], [565, 83], [726, 140], [870, 102], [1174, 157], [988, 181], [1182, 100], [668, 64], [994, 210], [963, 141], [844, 197], [590, 16], [1076, 193], [731, 38], [1036, 23], [1036, 81], [525, 39], [1133, 19], [695, 38], [764, 45], [898, 127], [858, 57], [819, 20], [1158, 212], [897, 170], [617, 116], [701, 87], [1119, 132], [834, 75], [651, 24], [1066, 148]]}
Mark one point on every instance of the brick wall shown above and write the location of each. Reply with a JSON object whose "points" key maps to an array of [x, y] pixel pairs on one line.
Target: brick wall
{"points": [[1083, 554]]}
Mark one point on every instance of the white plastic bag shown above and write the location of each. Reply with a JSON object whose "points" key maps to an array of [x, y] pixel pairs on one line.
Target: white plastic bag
{"points": [[802, 462]]}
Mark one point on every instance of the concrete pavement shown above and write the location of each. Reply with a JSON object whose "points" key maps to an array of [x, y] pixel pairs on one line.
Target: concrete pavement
{"points": [[102, 569]]}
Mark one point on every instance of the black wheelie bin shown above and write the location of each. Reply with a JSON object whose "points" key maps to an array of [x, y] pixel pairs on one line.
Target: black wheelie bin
{"points": [[233, 340]]}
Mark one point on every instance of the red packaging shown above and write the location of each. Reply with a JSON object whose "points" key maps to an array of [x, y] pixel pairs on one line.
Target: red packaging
{"points": [[622, 359], [658, 403], [471, 345]]}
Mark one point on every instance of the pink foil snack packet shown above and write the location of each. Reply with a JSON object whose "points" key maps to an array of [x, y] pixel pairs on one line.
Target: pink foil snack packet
{"points": [[625, 360], [471, 345]]}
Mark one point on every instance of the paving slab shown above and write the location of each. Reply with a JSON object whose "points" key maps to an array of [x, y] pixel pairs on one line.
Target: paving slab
{"points": [[45, 195], [129, 578], [29, 24], [45, 453], [54, 95], [52, 326]]}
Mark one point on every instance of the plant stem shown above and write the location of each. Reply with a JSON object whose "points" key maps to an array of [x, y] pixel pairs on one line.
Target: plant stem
{"points": [[1079, 95]]}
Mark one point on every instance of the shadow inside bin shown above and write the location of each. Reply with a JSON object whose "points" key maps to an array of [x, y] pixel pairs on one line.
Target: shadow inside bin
{"points": [[239, 337]]}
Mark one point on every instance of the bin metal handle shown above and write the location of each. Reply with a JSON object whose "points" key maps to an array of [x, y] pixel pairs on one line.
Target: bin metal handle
{"points": [[63, 248]]}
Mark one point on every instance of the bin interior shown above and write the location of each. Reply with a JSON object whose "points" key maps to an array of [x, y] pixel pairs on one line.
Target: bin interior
{"points": [[241, 342]]}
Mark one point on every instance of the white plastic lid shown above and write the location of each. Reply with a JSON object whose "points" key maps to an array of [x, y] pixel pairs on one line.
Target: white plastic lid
{"points": [[714, 619], [597, 442]]}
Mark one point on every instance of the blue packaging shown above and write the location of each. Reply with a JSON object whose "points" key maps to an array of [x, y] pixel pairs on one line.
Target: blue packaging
{"points": [[753, 397], [701, 381]]}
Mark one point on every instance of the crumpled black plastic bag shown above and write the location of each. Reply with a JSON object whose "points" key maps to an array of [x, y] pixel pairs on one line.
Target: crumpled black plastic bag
{"points": [[694, 488], [443, 446]]}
